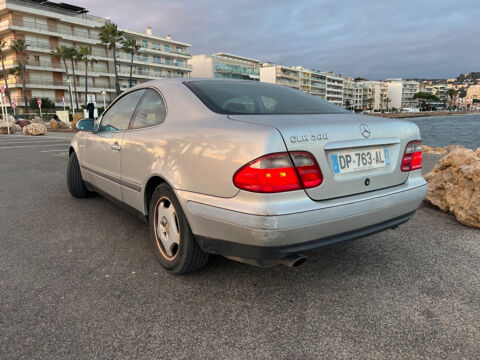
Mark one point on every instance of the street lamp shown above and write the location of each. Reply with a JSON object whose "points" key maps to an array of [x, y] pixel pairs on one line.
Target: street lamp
{"points": [[71, 97], [103, 94]]}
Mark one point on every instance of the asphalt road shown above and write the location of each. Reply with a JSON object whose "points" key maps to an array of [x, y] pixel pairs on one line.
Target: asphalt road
{"points": [[78, 280]]}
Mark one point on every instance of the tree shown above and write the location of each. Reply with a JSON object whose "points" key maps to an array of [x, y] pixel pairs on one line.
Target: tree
{"points": [[348, 105], [452, 97], [387, 100], [85, 54], [370, 101], [19, 46], [131, 47], [426, 99], [111, 36], [5, 76], [72, 55], [62, 52], [46, 103]]}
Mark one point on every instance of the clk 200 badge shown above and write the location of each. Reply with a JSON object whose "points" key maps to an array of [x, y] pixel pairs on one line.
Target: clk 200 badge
{"points": [[305, 138]]}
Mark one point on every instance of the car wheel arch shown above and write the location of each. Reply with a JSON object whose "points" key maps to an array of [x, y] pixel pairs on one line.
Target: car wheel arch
{"points": [[150, 187]]}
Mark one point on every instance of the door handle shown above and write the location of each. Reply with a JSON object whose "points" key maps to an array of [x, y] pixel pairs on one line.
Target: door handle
{"points": [[116, 146]]}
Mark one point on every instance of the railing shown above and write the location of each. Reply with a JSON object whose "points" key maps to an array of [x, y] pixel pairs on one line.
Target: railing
{"points": [[58, 83], [48, 46], [143, 47], [50, 28], [236, 69], [153, 61], [35, 5], [78, 67]]}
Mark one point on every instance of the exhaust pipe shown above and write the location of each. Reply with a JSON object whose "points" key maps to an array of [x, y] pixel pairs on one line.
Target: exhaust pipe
{"points": [[293, 261]]}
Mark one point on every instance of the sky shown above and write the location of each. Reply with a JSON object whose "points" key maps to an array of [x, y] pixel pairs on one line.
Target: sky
{"points": [[374, 39]]}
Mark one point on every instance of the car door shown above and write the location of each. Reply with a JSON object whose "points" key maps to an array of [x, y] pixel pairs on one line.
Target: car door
{"points": [[142, 147], [103, 147]]}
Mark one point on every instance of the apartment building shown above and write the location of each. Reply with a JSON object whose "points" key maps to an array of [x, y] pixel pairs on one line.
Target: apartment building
{"points": [[401, 92], [375, 94], [439, 90], [327, 86], [158, 57], [44, 25], [353, 94], [473, 92], [224, 66]]}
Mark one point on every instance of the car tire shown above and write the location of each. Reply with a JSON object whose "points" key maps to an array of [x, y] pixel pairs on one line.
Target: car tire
{"points": [[76, 185], [172, 239]]}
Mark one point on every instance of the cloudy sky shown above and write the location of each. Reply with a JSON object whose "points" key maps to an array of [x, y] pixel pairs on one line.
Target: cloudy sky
{"points": [[376, 39]]}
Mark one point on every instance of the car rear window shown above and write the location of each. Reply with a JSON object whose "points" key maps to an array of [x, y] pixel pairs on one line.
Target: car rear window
{"points": [[255, 98]]}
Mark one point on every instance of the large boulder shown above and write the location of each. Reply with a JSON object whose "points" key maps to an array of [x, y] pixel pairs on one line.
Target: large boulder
{"points": [[62, 125], [4, 129], [35, 129], [454, 185], [37, 120], [53, 124], [23, 122]]}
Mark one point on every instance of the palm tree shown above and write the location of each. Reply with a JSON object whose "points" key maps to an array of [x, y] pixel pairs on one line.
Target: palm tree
{"points": [[131, 47], [2, 45], [72, 54], [85, 54], [110, 36], [387, 100], [370, 100], [19, 46], [452, 96], [62, 52]]}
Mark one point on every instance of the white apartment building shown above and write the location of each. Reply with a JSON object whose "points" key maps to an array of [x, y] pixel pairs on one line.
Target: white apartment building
{"points": [[225, 66], [439, 90], [44, 26], [374, 95], [401, 93], [353, 94], [324, 85], [158, 57]]}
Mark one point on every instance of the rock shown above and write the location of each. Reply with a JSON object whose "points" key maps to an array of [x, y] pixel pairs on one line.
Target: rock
{"points": [[11, 119], [23, 122], [62, 125], [426, 149], [53, 124], [450, 148], [73, 124], [35, 129], [18, 128], [440, 150], [37, 120], [454, 185], [4, 129]]}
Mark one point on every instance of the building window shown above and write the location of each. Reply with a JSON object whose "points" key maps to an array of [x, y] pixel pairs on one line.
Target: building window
{"points": [[145, 57], [180, 62], [145, 43], [167, 48], [156, 59], [168, 61], [179, 50]]}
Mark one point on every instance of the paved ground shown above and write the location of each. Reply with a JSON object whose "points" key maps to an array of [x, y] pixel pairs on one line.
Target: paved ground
{"points": [[78, 280]]}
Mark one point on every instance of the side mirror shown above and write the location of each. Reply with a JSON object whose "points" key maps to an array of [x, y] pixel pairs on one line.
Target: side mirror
{"points": [[85, 125]]}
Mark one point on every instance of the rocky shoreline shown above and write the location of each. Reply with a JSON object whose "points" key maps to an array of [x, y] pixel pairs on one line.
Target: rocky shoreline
{"points": [[454, 182]]}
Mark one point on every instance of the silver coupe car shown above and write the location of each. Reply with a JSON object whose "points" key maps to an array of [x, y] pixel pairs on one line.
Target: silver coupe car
{"points": [[255, 172]]}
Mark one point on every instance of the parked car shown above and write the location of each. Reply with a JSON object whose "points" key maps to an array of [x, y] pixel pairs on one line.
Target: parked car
{"points": [[252, 171]]}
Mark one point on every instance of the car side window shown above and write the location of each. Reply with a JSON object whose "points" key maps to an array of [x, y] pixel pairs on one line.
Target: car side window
{"points": [[118, 117], [151, 111]]}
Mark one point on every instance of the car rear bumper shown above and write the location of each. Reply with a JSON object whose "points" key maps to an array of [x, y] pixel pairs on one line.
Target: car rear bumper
{"points": [[262, 231]]}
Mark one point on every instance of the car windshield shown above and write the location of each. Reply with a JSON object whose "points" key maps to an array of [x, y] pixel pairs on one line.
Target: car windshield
{"points": [[254, 98]]}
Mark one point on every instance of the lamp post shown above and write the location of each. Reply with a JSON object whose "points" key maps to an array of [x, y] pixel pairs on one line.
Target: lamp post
{"points": [[104, 104], [71, 97]]}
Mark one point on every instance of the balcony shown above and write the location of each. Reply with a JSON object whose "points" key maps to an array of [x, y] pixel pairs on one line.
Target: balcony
{"points": [[236, 69], [158, 50], [47, 47], [155, 63], [17, 24]]}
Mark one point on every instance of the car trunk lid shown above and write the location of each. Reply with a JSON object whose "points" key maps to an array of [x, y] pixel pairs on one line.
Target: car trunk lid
{"points": [[335, 139]]}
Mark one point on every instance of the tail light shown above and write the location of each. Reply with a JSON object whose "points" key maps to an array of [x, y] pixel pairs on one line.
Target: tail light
{"points": [[276, 173], [412, 157]]}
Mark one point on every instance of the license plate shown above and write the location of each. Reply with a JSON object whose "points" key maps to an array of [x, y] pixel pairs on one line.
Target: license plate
{"points": [[359, 160]]}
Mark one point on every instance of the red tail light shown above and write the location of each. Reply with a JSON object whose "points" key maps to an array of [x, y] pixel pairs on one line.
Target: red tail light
{"points": [[412, 157], [276, 173]]}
